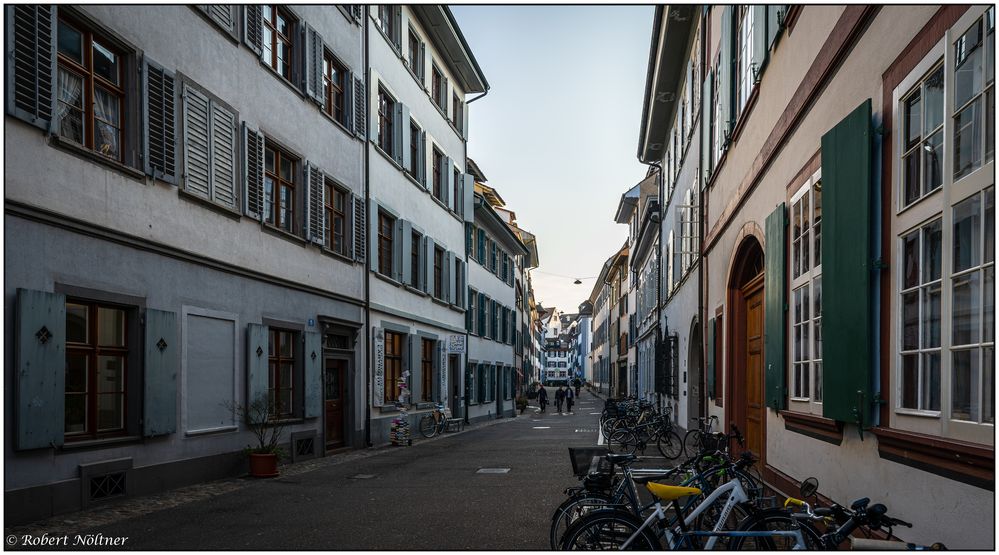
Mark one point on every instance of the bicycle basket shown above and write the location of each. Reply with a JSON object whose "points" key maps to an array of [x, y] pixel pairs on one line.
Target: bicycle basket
{"points": [[582, 457]]}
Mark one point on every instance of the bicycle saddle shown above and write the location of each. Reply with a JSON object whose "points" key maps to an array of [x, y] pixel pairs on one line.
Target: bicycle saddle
{"points": [[618, 458], [670, 493]]}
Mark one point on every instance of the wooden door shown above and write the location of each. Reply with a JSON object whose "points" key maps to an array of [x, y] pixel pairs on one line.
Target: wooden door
{"points": [[335, 374], [754, 404]]}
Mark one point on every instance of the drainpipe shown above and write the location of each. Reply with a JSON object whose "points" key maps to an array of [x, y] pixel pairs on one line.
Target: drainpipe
{"points": [[659, 274], [367, 221], [701, 214]]}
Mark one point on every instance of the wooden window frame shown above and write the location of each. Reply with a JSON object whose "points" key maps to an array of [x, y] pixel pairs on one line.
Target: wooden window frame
{"points": [[438, 272], [276, 37], [336, 98], [271, 209], [274, 362], [438, 175], [387, 24], [457, 111], [91, 81], [438, 89], [427, 367], [385, 242], [333, 215], [93, 350], [414, 149], [415, 259], [386, 113], [416, 61], [394, 344]]}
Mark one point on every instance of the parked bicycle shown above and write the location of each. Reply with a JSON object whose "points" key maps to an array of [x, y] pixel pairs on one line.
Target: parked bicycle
{"points": [[433, 423]]}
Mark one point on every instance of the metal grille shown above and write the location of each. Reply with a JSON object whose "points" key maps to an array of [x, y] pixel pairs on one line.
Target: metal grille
{"points": [[108, 485], [305, 447]]}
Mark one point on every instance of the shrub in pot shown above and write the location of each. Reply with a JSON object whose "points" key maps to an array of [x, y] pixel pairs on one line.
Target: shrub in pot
{"points": [[521, 404], [266, 451]]}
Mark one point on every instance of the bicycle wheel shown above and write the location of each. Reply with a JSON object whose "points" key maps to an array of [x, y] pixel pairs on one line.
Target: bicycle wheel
{"points": [[709, 518], [572, 509], [608, 529], [669, 444], [692, 443], [774, 520], [622, 441], [428, 426]]}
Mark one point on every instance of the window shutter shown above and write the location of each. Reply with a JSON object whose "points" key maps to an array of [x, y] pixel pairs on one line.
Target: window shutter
{"points": [[407, 253], [403, 137], [846, 281], [397, 250], [31, 65], [313, 374], [197, 143], [468, 190], [257, 378], [41, 368], [428, 265], [378, 365], [315, 216], [253, 172], [159, 405], [355, 10], [481, 250], [253, 22], [160, 144], [469, 232], [397, 38], [223, 156], [360, 108], [222, 15], [711, 365], [481, 395], [423, 158], [727, 61], [775, 22], [421, 69], [759, 39], [469, 314], [373, 233], [482, 315], [314, 51], [774, 309], [706, 112], [464, 120], [493, 318], [452, 292], [449, 184], [360, 229]]}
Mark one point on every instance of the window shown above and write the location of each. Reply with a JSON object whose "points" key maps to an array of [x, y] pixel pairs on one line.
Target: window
{"points": [[414, 150], [921, 296], [393, 365], [281, 373], [416, 54], [427, 367], [486, 316], [458, 201], [438, 175], [717, 133], [386, 111], [472, 385], [438, 89], [459, 282], [386, 229], [278, 30], [279, 188], [334, 81], [387, 22], [438, 272], [974, 96], [471, 314], [456, 111], [335, 200], [744, 51], [415, 260], [97, 348], [922, 138], [90, 89]]}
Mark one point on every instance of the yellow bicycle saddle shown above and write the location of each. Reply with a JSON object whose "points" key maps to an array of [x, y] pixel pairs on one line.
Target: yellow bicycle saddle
{"points": [[669, 493]]}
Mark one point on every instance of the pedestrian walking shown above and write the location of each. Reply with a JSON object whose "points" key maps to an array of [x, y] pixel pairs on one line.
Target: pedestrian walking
{"points": [[542, 397], [570, 398], [559, 398], [578, 384]]}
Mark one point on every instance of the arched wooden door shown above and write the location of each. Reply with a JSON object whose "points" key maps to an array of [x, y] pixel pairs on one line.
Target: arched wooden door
{"points": [[745, 347]]}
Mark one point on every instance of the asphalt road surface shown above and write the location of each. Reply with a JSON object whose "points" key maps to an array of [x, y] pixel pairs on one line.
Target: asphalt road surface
{"points": [[429, 496]]}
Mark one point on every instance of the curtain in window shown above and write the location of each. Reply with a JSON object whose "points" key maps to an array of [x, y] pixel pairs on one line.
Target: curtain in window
{"points": [[70, 106], [106, 123]]}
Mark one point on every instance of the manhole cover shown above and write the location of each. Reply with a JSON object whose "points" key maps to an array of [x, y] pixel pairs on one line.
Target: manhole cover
{"points": [[492, 471], [363, 476]]}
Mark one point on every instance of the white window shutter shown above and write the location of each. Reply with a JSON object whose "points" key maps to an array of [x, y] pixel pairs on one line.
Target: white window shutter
{"points": [[197, 143], [223, 148]]}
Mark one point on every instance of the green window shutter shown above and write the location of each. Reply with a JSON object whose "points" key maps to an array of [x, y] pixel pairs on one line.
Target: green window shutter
{"points": [[159, 406], [257, 379], [41, 368], [775, 317], [706, 111], [359, 216], [774, 21], [846, 234], [449, 272], [469, 312], [481, 383], [711, 359], [725, 67], [313, 374], [405, 139]]}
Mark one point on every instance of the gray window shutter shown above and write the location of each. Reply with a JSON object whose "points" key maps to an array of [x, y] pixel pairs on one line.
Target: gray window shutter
{"points": [[397, 251], [397, 39], [159, 110], [31, 64], [41, 368], [464, 120], [452, 292], [421, 69], [360, 108], [360, 229], [221, 14], [428, 264], [373, 257], [725, 66], [223, 156], [197, 143], [253, 172], [400, 115], [759, 40], [253, 28], [257, 378], [159, 405], [313, 374], [407, 253], [315, 215], [423, 158], [468, 191], [378, 366], [706, 111], [449, 183], [404, 138], [314, 51]]}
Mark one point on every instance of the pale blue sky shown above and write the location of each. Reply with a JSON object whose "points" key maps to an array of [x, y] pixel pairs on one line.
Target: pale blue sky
{"points": [[558, 132]]}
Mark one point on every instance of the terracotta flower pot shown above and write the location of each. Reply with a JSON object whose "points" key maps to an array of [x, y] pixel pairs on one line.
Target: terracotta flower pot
{"points": [[263, 465]]}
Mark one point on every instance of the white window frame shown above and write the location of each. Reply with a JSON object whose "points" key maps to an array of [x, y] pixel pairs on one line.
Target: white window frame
{"points": [[939, 204], [810, 366], [744, 78]]}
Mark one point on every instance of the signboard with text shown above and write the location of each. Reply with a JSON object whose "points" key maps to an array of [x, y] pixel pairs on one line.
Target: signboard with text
{"points": [[456, 344]]}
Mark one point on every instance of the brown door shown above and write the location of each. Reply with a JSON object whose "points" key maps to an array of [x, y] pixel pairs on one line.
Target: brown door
{"points": [[336, 373], [754, 370]]}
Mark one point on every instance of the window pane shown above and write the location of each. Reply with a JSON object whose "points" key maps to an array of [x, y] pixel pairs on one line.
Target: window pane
{"points": [[287, 170], [967, 231], [816, 223], [933, 94], [932, 163], [910, 381], [70, 42], [76, 323], [931, 381], [70, 106], [913, 125], [910, 168], [964, 385], [818, 381], [76, 373], [910, 260], [990, 124], [109, 411], [76, 413], [110, 327], [286, 370], [990, 224], [105, 63], [110, 374], [931, 316], [989, 316], [287, 344], [932, 244], [965, 309], [989, 399], [910, 321], [967, 140], [968, 65]]}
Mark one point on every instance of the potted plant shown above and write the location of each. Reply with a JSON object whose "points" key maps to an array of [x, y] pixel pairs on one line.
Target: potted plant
{"points": [[265, 453], [521, 404]]}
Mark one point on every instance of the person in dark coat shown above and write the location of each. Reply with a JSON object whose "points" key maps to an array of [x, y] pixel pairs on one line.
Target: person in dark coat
{"points": [[559, 398], [542, 398], [570, 399]]}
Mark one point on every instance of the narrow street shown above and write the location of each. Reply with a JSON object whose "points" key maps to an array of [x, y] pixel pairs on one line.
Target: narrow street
{"points": [[428, 496]]}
